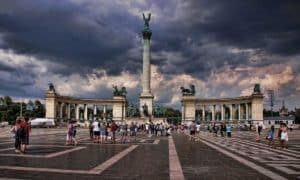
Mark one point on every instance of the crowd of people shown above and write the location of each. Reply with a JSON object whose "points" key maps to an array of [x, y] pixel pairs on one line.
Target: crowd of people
{"points": [[105, 132]]}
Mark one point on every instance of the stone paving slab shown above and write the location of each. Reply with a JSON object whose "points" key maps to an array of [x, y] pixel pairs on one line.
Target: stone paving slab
{"points": [[146, 162], [199, 161]]}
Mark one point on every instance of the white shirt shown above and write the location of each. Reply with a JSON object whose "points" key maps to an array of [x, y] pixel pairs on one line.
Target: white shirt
{"points": [[96, 126]]}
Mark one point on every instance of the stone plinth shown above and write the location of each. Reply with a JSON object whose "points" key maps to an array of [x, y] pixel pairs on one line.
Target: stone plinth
{"points": [[148, 100], [257, 107], [188, 109], [119, 108], [50, 105]]}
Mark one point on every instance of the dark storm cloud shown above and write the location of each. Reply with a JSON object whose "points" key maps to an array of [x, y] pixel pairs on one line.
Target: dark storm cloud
{"points": [[64, 32], [269, 27]]}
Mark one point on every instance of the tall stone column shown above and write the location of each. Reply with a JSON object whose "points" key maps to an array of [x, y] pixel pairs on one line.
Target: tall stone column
{"points": [[68, 111], [146, 98], [104, 112], [85, 116], [213, 113], [203, 113], [222, 112], [239, 118], [95, 110], [77, 112], [247, 112], [61, 110], [231, 112]]}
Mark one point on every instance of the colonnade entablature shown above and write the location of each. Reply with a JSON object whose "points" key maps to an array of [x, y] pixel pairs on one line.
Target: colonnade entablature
{"points": [[65, 107], [236, 109]]}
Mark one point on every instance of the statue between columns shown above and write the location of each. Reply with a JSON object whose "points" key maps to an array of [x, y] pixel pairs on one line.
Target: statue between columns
{"points": [[121, 92]]}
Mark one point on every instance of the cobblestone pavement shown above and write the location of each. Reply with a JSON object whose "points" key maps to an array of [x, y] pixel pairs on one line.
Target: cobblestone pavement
{"points": [[148, 158]]}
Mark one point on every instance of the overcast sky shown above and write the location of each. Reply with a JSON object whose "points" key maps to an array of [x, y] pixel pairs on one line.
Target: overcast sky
{"points": [[86, 46]]}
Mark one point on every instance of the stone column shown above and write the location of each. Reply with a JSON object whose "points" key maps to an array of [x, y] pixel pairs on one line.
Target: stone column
{"points": [[213, 113], [222, 112], [95, 110], [247, 112], [61, 110], [231, 112], [85, 116], [203, 113], [77, 112], [104, 112], [239, 117], [183, 112], [146, 97], [68, 111]]}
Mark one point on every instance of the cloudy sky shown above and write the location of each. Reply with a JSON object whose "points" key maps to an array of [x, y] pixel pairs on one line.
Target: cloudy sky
{"points": [[86, 46]]}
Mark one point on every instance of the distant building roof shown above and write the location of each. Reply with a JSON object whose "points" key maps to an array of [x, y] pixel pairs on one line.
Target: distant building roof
{"points": [[280, 118]]}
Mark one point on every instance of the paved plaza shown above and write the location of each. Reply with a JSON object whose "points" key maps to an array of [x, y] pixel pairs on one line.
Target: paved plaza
{"points": [[209, 157]]}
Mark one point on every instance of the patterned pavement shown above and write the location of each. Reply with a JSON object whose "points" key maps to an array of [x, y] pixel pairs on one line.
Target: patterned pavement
{"points": [[283, 162], [143, 157]]}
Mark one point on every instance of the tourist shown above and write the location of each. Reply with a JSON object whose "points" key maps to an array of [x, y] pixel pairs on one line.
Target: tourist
{"points": [[91, 131], [74, 131], [198, 126], [279, 133], [192, 131], [223, 129], [113, 128], [228, 130], [132, 131], [103, 131], [26, 128], [16, 129], [270, 137], [96, 130], [284, 136], [123, 132], [215, 129], [258, 128], [69, 133]]}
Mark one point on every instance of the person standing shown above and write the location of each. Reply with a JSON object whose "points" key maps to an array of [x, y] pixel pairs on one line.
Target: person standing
{"points": [[198, 126], [96, 130], [228, 130], [284, 136], [192, 131], [16, 129], [270, 137], [25, 130], [113, 127], [103, 131]]}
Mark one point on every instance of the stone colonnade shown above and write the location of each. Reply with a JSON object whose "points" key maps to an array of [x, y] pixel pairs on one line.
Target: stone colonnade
{"points": [[224, 109], [59, 107]]}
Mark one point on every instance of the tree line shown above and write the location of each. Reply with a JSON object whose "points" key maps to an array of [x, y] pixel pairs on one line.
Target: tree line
{"points": [[10, 110]]}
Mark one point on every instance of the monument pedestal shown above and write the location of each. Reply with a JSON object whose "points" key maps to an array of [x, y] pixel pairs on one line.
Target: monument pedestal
{"points": [[146, 99]]}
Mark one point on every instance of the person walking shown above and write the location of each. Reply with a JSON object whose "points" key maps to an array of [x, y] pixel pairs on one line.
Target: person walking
{"points": [[270, 137]]}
